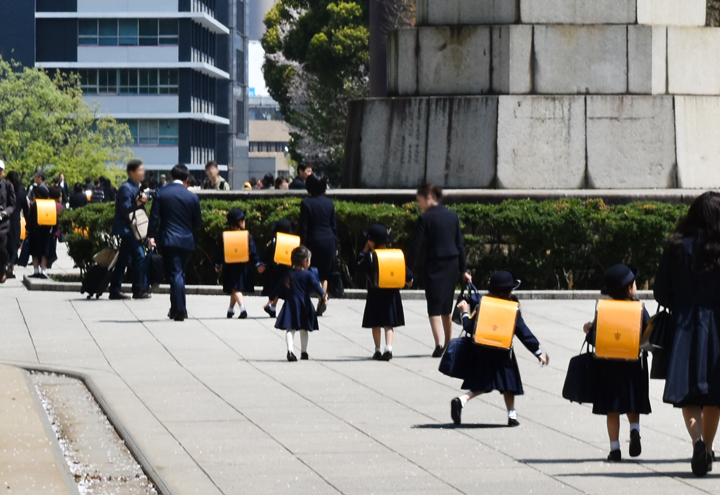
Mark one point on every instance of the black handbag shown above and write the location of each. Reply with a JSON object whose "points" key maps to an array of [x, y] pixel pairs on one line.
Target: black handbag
{"points": [[470, 294], [579, 382], [154, 269], [336, 287], [459, 356], [659, 331]]}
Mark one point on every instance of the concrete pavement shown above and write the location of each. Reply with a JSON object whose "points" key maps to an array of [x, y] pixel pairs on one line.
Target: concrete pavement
{"points": [[215, 407]]}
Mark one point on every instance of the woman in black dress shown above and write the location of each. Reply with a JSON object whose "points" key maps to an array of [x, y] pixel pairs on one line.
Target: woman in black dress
{"points": [[688, 283], [318, 230], [21, 209], [439, 229]]}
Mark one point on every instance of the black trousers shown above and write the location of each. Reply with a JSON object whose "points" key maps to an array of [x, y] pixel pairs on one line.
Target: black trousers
{"points": [[176, 260], [4, 257]]}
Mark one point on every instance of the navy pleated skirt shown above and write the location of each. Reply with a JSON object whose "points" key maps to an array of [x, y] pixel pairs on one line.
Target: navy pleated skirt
{"points": [[694, 370], [622, 386], [274, 275], [441, 276], [238, 277], [493, 369], [383, 308]]}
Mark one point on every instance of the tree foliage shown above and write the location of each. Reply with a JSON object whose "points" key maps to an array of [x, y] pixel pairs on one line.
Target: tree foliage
{"points": [[713, 13], [46, 124]]}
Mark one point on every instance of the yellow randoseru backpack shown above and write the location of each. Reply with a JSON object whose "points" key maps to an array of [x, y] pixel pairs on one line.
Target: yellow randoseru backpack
{"points": [[388, 269], [46, 212], [284, 246], [23, 228], [237, 246], [618, 329], [495, 326]]}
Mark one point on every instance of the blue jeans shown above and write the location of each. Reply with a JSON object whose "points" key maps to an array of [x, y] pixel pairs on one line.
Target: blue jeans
{"points": [[175, 260], [131, 252]]}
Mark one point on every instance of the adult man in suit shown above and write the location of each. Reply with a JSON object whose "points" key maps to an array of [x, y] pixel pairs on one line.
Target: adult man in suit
{"points": [[304, 171], [175, 214], [7, 206], [129, 198], [62, 184]]}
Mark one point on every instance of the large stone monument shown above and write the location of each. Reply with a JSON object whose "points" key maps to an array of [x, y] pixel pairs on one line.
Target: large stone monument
{"points": [[545, 94]]}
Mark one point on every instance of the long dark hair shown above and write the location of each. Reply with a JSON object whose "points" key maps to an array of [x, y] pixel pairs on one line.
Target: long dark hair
{"points": [[702, 222], [14, 179]]}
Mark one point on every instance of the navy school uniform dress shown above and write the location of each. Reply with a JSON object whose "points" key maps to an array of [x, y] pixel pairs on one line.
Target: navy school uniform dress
{"points": [[693, 295], [298, 312], [621, 386], [383, 307], [274, 273], [238, 276], [497, 369]]}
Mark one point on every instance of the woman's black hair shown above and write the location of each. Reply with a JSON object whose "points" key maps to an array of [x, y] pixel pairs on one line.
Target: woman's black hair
{"points": [[429, 189], [702, 222], [14, 178], [622, 294], [503, 294], [78, 188], [316, 184]]}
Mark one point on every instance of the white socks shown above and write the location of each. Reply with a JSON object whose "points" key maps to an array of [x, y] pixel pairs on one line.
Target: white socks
{"points": [[37, 270], [290, 339], [614, 445], [512, 414], [231, 309], [463, 400], [377, 349], [388, 348], [635, 426], [242, 308]]}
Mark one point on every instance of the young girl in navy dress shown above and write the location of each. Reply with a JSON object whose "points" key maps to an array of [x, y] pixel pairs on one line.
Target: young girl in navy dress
{"points": [[237, 277], [298, 312], [496, 369], [621, 387], [274, 273], [383, 307]]}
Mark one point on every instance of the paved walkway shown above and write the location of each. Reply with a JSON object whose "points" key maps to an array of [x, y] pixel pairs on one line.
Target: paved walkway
{"points": [[217, 409]]}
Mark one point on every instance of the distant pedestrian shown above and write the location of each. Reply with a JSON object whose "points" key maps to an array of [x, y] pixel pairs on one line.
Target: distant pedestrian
{"points": [[109, 192], [89, 186], [268, 182], [130, 198], [238, 278], [98, 194], [439, 230], [496, 368], [688, 283], [303, 172], [214, 180], [78, 198], [38, 180], [174, 216], [298, 312], [621, 387], [163, 181], [39, 236], [282, 183], [383, 307], [7, 208], [21, 209], [274, 273], [62, 184]]}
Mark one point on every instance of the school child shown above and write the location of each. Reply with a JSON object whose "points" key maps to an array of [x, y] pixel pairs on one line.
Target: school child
{"points": [[274, 273], [496, 369], [383, 307], [237, 277], [621, 387], [298, 312]]}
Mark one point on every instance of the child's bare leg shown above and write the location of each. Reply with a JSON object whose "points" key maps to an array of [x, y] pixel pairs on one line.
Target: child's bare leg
{"points": [[389, 336], [239, 298], [509, 400], [613, 427], [468, 396], [376, 338]]}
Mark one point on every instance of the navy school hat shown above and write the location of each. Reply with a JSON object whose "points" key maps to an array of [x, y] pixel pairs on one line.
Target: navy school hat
{"points": [[235, 216], [617, 277], [378, 234], [283, 225], [503, 279]]}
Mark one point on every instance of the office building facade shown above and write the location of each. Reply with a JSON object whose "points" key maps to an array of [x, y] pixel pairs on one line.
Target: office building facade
{"points": [[175, 71]]}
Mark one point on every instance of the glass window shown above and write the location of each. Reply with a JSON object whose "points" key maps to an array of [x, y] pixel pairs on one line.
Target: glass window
{"points": [[148, 32], [87, 32], [148, 81], [147, 132], [168, 32], [108, 32], [240, 17], [133, 125], [168, 132], [88, 81], [128, 32], [168, 81], [107, 81], [128, 81]]}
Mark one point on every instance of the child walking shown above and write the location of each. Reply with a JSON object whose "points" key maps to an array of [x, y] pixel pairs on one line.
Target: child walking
{"points": [[621, 387], [237, 277], [383, 307], [298, 312], [274, 273], [496, 369]]}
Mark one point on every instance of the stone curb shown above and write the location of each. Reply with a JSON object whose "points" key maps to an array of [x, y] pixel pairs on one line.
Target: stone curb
{"points": [[408, 295], [109, 412]]}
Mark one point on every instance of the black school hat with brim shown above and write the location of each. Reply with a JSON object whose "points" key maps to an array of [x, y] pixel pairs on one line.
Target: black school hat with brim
{"points": [[235, 216], [283, 225], [378, 234], [503, 279], [618, 277]]}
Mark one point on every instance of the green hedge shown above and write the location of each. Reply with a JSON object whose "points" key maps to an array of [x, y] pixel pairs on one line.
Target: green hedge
{"points": [[564, 244]]}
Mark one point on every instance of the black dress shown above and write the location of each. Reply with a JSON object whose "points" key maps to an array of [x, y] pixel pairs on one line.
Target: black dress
{"points": [[274, 273], [298, 312], [383, 307], [440, 229], [21, 208], [42, 239], [318, 231], [497, 369], [237, 277], [621, 386], [693, 296]]}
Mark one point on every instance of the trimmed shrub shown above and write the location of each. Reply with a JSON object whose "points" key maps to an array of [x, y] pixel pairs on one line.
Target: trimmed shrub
{"points": [[563, 244]]}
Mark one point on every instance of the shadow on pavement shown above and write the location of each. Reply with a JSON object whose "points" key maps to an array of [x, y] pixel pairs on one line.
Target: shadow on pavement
{"points": [[450, 426]]}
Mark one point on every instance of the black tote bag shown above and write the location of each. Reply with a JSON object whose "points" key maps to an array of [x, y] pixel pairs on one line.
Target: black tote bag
{"points": [[336, 287], [579, 386], [659, 332], [458, 357], [470, 294]]}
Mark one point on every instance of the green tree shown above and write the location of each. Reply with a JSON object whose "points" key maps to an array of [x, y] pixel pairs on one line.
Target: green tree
{"points": [[45, 123], [713, 13]]}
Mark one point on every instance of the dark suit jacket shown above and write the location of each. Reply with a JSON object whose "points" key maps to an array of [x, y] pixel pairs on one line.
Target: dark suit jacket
{"points": [[439, 228], [7, 202], [125, 203], [317, 220], [297, 183], [175, 214]]}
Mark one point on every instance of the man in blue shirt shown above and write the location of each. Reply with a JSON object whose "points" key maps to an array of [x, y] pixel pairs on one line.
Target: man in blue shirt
{"points": [[129, 198], [174, 216]]}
